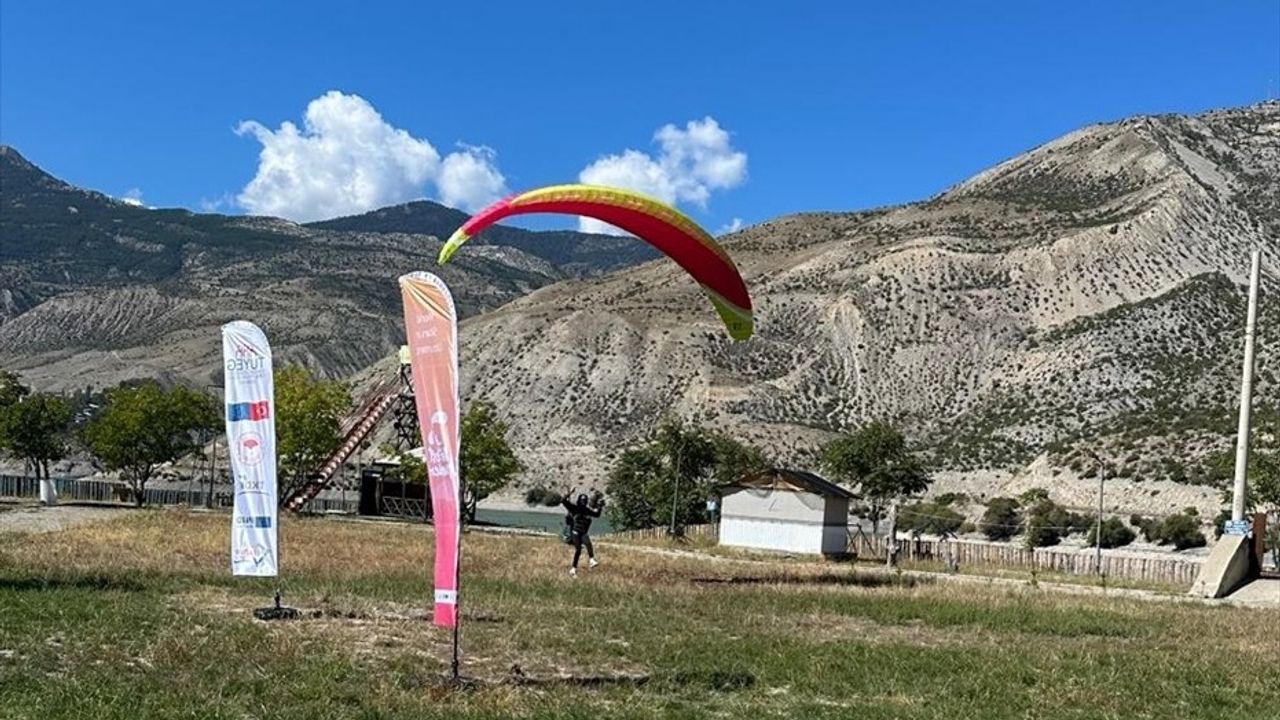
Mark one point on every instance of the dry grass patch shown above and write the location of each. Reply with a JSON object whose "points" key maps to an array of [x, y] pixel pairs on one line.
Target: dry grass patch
{"points": [[138, 617]]}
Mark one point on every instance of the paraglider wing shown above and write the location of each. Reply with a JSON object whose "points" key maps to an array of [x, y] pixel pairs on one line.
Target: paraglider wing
{"points": [[660, 225]]}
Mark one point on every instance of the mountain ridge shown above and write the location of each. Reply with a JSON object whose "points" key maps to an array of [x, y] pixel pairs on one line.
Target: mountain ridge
{"points": [[94, 291], [576, 254], [1088, 287]]}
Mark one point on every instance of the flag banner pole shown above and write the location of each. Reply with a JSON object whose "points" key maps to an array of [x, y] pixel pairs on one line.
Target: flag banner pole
{"points": [[249, 392], [458, 581], [431, 328]]}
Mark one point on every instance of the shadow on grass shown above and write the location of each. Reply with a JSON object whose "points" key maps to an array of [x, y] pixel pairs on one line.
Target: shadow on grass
{"points": [[334, 613], [721, 680], [81, 582], [590, 682], [827, 579], [444, 687]]}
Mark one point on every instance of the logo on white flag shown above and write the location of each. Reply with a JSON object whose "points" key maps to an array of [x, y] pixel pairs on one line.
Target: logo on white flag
{"points": [[249, 449]]}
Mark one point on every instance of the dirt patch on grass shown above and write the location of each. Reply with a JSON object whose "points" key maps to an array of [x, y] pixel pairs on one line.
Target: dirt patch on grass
{"points": [[30, 518]]}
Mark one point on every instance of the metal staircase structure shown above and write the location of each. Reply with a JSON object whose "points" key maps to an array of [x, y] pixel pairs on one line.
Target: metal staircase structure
{"points": [[394, 392]]}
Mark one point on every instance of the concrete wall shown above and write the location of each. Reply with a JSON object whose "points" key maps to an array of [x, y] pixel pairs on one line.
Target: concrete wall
{"points": [[784, 520], [1228, 567]]}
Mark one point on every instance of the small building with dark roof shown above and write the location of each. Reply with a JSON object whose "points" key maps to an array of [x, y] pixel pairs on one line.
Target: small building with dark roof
{"points": [[785, 510]]}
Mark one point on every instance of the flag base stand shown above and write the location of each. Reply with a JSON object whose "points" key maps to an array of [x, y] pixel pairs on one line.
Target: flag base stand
{"points": [[278, 612]]}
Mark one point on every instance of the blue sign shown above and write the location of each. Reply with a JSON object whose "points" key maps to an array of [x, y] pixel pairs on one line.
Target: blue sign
{"points": [[1236, 527]]}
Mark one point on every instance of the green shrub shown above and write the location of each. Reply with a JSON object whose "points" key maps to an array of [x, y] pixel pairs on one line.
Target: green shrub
{"points": [[930, 518], [1219, 520], [1114, 533], [1078, 523], [1041, 532], [1048, 522], [1034, 496], [951, 498], [1182, 531], [1001, 520], [540, 495], [1149, 527]]}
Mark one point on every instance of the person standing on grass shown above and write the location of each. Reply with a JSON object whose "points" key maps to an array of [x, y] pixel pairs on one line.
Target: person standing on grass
{"points": [[579, 521]]}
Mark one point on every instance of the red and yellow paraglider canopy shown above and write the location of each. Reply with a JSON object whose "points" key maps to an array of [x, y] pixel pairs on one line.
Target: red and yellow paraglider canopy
{"points": [[658, 224]]}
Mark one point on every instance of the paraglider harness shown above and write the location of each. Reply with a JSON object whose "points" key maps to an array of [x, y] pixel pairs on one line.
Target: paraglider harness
{"points": [[566, 533]]}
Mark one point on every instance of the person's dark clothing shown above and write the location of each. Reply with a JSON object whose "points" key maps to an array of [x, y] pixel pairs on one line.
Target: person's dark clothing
{"points": [[578, 542], [579, 520], [579, 516]]}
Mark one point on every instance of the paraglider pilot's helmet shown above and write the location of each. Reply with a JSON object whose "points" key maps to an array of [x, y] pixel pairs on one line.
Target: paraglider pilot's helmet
{"points": [[582, 500]]}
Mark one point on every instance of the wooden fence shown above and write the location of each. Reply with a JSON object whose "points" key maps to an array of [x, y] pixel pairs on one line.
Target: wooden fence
{"points": [[70, 490], [961, 553], [1171, 571], [710, 530]]}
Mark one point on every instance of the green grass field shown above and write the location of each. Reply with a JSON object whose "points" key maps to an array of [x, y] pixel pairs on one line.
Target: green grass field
{"points": [[138, 618]]}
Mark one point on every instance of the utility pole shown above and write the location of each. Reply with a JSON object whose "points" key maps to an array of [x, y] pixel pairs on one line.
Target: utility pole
{"points": [[213, 472], [1102, 482], [1240, 489], [213, 453], [891, 540], [675, 492]]}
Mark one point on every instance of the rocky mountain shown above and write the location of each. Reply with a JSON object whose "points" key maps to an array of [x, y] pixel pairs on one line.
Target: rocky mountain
{"points": [[576, 254], [1084, 295], [94, 291]]}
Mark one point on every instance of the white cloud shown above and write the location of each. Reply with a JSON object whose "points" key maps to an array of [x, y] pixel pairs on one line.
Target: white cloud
{"points": [[133, 197], [692, 163], [218, 204], [733, 226], [346, 159], [469, 179]]}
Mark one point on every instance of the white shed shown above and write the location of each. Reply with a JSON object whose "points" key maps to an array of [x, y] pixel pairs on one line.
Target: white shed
{"points": [[788, 510]]}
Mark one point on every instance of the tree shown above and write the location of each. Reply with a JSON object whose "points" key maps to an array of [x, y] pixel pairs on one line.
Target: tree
{"points": [[1001, 520], [1048, 521], [309, 416], [1182, 531], [410, 471], [1264, 482], [12, 391], [542, 495], [671, 478], [488, 464], [143, 427], [876, 460], [35, 427], [1114, 533], [637, 486], [932, 518], [735, 460], [1265, 493]]}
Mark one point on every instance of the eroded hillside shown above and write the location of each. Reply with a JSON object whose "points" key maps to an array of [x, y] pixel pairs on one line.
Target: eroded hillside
{"points": [[1091, 286]]}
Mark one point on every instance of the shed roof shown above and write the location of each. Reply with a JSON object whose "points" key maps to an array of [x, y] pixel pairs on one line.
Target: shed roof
{"points": [[791, 481]]}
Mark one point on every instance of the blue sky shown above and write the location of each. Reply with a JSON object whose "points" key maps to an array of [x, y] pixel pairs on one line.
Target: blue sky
{"points": [[835, 105]]}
